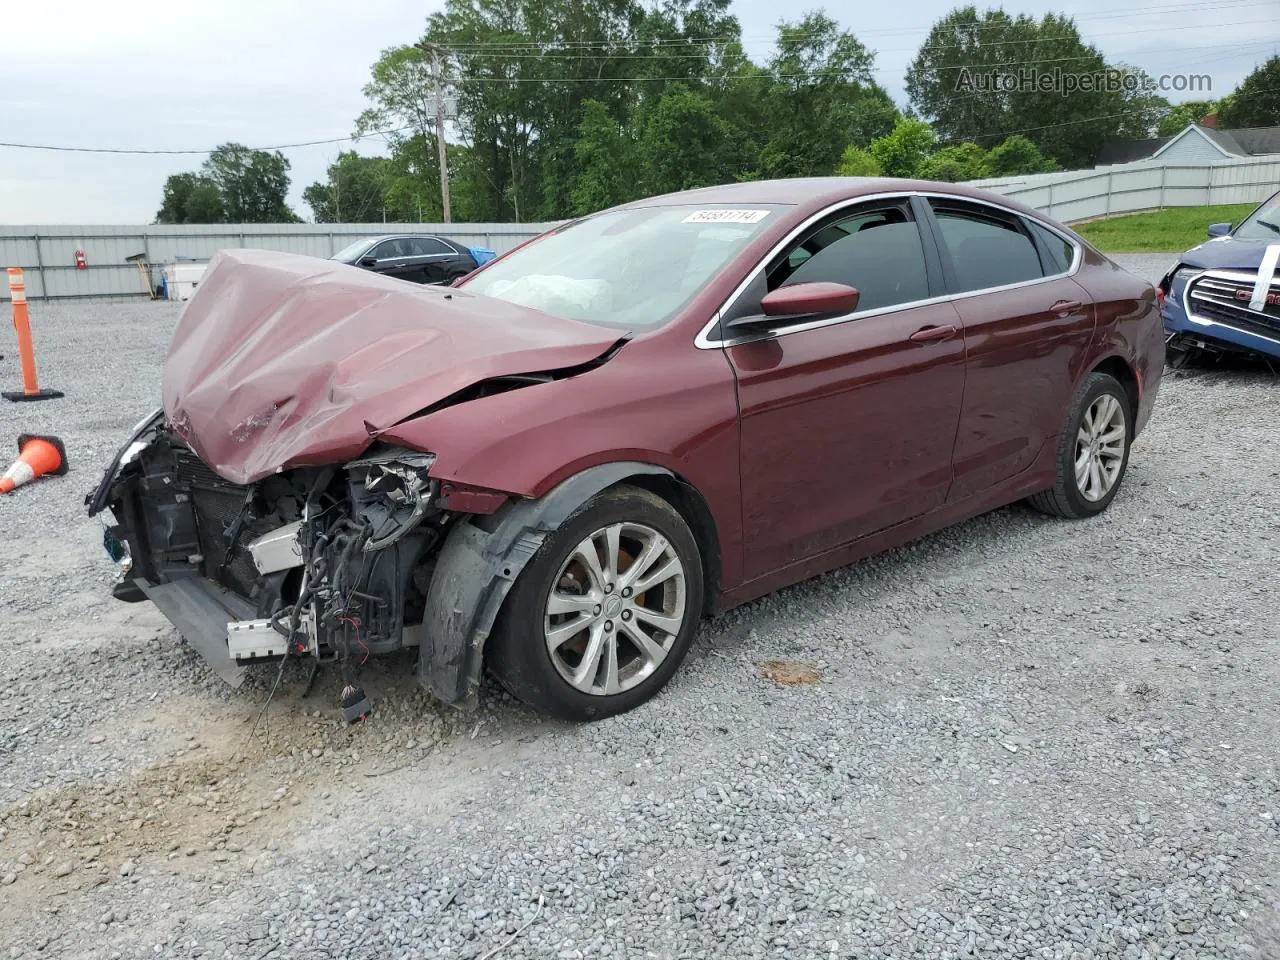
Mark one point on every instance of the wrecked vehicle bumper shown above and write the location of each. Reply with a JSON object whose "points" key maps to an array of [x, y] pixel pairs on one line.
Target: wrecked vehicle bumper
{"points": [[323, 562]]}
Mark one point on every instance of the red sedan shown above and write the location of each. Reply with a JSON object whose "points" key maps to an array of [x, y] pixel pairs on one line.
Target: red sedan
{"points": [[557, 467]]}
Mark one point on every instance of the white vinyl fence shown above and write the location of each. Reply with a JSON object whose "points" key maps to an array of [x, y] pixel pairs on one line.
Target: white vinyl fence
{"points": [[47, 254], [1079, 195]]}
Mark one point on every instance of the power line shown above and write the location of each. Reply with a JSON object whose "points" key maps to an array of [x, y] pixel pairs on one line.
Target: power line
{"points": [[188, 153], [570, 54], [478, 47], [816, 73]]}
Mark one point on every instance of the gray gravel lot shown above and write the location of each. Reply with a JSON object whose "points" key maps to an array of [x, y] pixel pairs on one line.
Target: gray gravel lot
{"points": [[1030, 738]]}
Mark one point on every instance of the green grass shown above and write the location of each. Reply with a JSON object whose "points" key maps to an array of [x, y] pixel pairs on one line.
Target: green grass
{"points": [[1164, 231]]}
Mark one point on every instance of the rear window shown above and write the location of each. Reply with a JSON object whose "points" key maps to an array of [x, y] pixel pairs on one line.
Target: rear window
{"points": [[988, 248], [1059, 251]]}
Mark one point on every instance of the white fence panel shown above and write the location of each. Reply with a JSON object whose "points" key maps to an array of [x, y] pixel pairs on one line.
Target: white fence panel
{"points": [[1076, 195], [47, 254]]}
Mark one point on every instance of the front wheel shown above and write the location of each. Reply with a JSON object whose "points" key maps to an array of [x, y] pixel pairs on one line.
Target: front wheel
{"points": [[605, 611], [1093, 450]]}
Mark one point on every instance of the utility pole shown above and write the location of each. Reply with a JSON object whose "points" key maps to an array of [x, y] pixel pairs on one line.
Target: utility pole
{"points": [[437, 75]]}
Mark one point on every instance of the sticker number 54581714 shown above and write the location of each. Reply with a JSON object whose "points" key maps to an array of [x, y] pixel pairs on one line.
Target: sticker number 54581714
{"points": [[726, 216]]}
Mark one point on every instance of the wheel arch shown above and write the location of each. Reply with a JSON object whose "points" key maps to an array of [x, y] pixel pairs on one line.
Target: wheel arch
{"points": [[483, 556], [686, 500], [1118, 367]]}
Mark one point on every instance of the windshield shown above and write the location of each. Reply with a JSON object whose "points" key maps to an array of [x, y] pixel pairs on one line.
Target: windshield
{"points": [[632, 269], [1263, 223], [351, 251]]}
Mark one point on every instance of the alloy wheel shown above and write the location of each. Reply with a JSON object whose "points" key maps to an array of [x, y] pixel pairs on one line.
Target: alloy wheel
{"points": [[1100, 448], [615, 608]]}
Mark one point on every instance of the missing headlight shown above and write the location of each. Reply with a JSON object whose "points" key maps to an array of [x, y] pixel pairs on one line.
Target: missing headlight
{"points": [[391, 492]]}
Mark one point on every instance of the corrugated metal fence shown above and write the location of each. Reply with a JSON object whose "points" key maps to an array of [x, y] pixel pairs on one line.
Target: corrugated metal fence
{"points": [[1088, 194], [47, 253]]}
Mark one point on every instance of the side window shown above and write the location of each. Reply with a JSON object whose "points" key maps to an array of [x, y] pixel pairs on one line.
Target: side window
{"points": [[876, 250], [1060, 252], [386, 250], [988, 248], [427, 246]]}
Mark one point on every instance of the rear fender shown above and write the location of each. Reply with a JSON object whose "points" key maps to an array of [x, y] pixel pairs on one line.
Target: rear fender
{"points": [[480, 560]]}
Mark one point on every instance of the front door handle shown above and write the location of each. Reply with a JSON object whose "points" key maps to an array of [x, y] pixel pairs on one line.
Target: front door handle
{"points": [[1064, 307], [934, 334]]}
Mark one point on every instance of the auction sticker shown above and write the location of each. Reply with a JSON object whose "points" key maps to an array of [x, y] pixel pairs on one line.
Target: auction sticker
{"points": [[726, 216]]}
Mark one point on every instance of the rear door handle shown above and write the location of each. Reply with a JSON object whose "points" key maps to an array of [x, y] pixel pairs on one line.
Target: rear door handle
{"points": [[1064, 307], [933, 334]]}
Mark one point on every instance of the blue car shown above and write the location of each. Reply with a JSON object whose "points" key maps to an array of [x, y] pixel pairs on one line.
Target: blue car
{"points": [[1224, 295]]}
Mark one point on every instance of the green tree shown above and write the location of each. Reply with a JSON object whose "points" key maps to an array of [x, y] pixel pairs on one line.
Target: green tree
{"points": [[204, 203], [190, 198], [823, 99], [355, 191], [903, 151], [683, 143], [1256, 102], [856, 162], [955, 164], [1182, 114], [1017, 155], [606, 156], [983, 77], [1142, 108], [402, 113], [253, 184]]}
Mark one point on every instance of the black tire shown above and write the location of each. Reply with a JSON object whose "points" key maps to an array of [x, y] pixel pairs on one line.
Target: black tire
{"points": [[517, 653], [1065, 499]]}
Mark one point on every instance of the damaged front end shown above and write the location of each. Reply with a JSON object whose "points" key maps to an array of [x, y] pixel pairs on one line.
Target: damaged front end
{"points": [[327, 562]]}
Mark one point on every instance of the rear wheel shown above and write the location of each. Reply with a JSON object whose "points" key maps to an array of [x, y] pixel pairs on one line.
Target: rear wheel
{"points": [[605, 611], [1093, 450]]}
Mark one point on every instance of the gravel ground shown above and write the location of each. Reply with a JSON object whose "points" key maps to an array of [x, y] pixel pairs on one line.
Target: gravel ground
{"points": [[1023, 738]]}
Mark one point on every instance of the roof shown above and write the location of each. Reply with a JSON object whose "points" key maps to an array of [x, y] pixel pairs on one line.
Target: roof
{"points": [[1224, 139], [1255, 141], [814, 193], [1244, 142], [1127, 151]]}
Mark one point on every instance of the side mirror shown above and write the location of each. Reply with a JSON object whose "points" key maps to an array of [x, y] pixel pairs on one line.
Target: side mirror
{"points": [[368, 261], [1219, 229], [801, 301]]}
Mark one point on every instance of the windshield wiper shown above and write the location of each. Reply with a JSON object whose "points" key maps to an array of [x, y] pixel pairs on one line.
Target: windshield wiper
{"points": [[1269, 225]]}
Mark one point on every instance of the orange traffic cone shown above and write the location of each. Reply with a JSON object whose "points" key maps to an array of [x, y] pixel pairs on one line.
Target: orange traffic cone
{"points": [[37, 457]]}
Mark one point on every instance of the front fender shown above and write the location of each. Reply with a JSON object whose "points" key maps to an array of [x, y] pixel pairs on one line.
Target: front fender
{"points": [[475, 569]]}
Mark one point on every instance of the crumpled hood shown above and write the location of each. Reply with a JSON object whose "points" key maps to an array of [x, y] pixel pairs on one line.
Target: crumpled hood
{"points": [[1227, 253], [282, 360]]}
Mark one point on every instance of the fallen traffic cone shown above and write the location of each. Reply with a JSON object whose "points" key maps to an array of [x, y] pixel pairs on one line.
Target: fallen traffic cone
{"points": [[26, 352], [37, 457]]}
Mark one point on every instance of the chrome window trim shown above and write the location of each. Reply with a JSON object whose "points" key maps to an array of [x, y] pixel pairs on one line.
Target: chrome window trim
{"points": [[703, 341], [1242, 276]]}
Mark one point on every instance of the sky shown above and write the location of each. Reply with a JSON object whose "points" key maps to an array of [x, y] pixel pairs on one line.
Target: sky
{"points": [[191, 74]]}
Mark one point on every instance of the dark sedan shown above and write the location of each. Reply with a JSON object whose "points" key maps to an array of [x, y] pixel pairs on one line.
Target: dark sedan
{"points": [[663, 410], [416, 258]]}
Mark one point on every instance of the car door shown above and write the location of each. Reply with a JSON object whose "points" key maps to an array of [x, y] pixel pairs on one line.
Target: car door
{"points": [[390, 258], [1027, 326], [847, 424], [436, 257]]}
